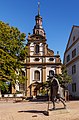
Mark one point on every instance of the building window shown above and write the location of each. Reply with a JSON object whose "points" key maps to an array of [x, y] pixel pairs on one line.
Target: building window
{"points": [[37, 49], [37, 32], [68, 58], [37, 75], [74, 53], [73, 69], [73, 87], [51, 59], [73, 38], [37, 59], [37, 22], [51, 72], [41, 32]]}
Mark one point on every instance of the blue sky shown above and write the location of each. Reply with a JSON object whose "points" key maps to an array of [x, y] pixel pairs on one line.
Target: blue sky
{"points": [[58, 18]]}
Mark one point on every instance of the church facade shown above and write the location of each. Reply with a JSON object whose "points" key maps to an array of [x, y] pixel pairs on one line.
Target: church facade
{"points": [[40, 60]]}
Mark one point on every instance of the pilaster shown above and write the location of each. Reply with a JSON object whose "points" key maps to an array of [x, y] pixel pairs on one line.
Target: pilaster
{"points": [[28, 80], [44, 73]]}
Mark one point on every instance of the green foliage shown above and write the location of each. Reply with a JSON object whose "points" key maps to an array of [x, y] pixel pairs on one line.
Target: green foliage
{"points": [[3, 86], [43, 92], [65, 75], [12, 52], [64, 78], [23, 53]]}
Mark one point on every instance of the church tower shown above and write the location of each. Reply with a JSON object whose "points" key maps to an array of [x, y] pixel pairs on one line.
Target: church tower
{"points": [[41, 60], [38, 29]]}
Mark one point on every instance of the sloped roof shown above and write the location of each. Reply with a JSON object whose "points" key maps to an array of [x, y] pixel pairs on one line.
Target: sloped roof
{"points": [[74, 26]]}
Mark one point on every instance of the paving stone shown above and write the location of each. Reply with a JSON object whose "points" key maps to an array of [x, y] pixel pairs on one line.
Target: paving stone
{"points": [[35, 111]]}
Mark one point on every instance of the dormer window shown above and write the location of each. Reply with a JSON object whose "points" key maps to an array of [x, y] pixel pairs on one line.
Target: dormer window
{"points": [[73, 38], [37, 49]]}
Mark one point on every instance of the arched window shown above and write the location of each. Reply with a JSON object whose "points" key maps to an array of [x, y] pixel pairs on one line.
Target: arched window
{"points": [[37, 75], [37, 49], [37, 32], [51, 72]]}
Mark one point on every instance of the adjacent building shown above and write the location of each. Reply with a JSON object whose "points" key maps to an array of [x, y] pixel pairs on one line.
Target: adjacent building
{"points": [[71, 60]]}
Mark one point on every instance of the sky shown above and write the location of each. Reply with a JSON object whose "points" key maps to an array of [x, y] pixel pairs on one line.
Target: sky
{"points": [[58, 18]]}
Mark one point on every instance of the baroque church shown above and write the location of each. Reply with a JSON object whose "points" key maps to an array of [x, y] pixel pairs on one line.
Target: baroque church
{"points": [[40, 60]]}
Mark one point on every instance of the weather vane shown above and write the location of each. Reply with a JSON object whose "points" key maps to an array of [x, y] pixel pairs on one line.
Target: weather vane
{"points": [[39, 7]]}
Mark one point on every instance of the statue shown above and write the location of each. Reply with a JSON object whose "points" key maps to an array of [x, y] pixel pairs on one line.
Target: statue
{"points": [[56, 91]]}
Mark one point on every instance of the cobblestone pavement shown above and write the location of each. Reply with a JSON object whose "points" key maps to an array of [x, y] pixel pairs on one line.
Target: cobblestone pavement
{"points": [[35, 111]]}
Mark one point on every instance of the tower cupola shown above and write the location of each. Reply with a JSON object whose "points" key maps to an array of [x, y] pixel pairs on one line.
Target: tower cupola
{"points": [[38, 29]]}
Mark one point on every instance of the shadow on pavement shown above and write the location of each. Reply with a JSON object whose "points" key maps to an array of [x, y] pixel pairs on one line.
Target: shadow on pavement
{"points": [[38, 111], [35, 111], [57, 109], [31, 111]]}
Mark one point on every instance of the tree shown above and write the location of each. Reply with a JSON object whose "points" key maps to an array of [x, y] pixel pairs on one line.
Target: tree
{"points": [[12, 52], [64, 78]]}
